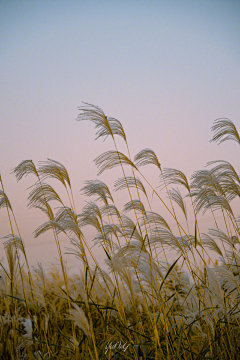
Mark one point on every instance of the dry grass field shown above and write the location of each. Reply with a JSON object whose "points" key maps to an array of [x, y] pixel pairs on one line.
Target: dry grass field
{"points": [[143, 306]]}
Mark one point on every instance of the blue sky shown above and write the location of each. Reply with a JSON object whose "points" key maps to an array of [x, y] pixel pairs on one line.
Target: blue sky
{"points": [[165, 69]]}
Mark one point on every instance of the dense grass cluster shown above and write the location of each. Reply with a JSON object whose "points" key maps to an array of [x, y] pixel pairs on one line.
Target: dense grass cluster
{"points": [[143, 307]]}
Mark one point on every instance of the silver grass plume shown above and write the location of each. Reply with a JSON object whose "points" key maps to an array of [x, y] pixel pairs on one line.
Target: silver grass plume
{"points": [[111, 159], [166, 238], [173, 176], [64, 221], [227, 177], [220, 235], [176, 196], [134, 205], [128, 182], [91, 215], [211, 244], [41, 194], [208, 193], [130, 229], [25, 168], [97, 187], [224, 129], [155, 220], [54, 169], [110, 210], [145, 157], [4, 201], [105, 125], [13, 240]]}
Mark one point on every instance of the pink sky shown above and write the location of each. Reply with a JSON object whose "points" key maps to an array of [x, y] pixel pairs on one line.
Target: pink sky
{"points": [[165, 69]]}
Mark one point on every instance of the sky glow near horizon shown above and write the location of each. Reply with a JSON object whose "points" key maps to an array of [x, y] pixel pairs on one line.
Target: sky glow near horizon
{"points": [[165, 69]]}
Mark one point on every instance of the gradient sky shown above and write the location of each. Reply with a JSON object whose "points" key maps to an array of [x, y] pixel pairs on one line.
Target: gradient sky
{"points": [[165, 69]]}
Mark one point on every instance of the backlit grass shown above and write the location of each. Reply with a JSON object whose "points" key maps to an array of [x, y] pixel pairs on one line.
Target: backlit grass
{"points": [[144, 306]]}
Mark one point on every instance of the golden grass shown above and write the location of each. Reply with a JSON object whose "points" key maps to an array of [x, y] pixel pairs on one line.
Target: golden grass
{"points": [[143, 307]]}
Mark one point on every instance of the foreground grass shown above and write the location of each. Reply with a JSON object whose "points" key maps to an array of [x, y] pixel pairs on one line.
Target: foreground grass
{"points": [[144, 307]]}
